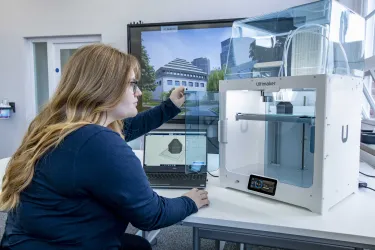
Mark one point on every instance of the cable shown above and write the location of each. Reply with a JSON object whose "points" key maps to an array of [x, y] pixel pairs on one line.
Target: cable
{"points": [[372, 176], [197, 172], [212, 175], [363, 184]]}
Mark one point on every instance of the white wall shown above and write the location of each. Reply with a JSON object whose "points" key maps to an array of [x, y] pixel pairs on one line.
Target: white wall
{"points": [[355, 5], [108, 18]]}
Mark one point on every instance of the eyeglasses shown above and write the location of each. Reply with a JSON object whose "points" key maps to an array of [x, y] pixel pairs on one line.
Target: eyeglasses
{"points": [[134, 85]]}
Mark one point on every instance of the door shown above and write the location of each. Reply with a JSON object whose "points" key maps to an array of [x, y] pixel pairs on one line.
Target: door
{"points": [[61, 54], [48, 58]]}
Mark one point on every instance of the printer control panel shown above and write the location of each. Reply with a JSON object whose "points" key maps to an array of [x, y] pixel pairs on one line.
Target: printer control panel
{"points": [[262, 184]]}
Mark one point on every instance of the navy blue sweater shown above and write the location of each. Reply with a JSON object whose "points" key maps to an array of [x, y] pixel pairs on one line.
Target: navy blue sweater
{"points": [[86, 191]]}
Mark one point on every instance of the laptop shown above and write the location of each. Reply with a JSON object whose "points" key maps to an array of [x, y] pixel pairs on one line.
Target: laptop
{"points": [[176, 158]]}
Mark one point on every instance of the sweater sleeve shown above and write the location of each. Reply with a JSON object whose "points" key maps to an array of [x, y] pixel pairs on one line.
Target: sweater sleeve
{"points": [[107, 168], [148, 120]]}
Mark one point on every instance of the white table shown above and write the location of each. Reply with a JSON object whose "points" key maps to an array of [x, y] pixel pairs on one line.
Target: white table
{"points": [[241, 217]]}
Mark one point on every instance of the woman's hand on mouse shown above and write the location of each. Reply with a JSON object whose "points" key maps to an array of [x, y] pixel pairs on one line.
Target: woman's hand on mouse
{"points": [[177, 96], [200, 197]]}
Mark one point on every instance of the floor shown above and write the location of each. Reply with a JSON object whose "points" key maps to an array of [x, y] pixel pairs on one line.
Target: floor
{"points": [[181, 237], [172, 238]]}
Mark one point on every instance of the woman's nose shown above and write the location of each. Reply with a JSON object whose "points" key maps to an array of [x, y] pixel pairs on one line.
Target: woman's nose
{"points": [[138, 92]]}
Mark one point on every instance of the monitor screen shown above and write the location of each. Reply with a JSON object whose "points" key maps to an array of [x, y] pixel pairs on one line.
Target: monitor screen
{"points": [[175, 148], [189, 54]]}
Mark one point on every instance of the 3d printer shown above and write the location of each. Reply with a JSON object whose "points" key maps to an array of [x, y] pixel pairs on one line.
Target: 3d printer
{"points": [[290, 106]]}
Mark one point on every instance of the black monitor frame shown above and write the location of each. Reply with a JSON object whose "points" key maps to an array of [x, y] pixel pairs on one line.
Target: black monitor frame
{"points": [[201, 23]]}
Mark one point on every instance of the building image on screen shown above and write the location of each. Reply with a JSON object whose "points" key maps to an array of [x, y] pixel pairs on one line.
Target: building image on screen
{"points": [[193, 58]]}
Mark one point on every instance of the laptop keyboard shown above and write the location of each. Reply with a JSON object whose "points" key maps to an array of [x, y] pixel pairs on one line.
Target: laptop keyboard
{"points": [[175, 176]]}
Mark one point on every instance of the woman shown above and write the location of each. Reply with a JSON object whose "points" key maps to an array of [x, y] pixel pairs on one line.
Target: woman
{"points": [[74, 183]]}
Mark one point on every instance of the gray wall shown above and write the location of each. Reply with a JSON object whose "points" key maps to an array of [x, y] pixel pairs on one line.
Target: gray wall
{"points": [[39, 18]]}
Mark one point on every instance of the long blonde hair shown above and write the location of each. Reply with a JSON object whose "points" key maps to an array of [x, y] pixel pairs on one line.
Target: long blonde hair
{"points": [[92, 83]]}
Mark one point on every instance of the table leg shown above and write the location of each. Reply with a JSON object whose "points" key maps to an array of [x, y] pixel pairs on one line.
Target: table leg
{"points": [[144, 234], [150, 236], [196, 239], [242, 246], [217, 244]]}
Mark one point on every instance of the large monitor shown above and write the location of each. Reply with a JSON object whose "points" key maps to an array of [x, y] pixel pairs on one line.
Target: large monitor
{"points": [[189, 54]]}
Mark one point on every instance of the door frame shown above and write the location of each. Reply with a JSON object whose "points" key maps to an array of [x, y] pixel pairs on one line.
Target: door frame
{"points": [[30, 88]]}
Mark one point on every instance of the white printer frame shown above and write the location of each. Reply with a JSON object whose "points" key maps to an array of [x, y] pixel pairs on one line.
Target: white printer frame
{"points": [[337, 138]]}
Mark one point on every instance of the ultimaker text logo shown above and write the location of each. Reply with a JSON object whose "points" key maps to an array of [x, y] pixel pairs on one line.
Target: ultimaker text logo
{"points": [[265, 83]]}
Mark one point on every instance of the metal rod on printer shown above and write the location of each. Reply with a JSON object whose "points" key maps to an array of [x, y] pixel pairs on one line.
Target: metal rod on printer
{"points": [[276, 149], [303, 138], [274, 118]]}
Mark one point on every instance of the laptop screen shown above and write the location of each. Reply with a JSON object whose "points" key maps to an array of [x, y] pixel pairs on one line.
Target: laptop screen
{"points": [[173, 150]]}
